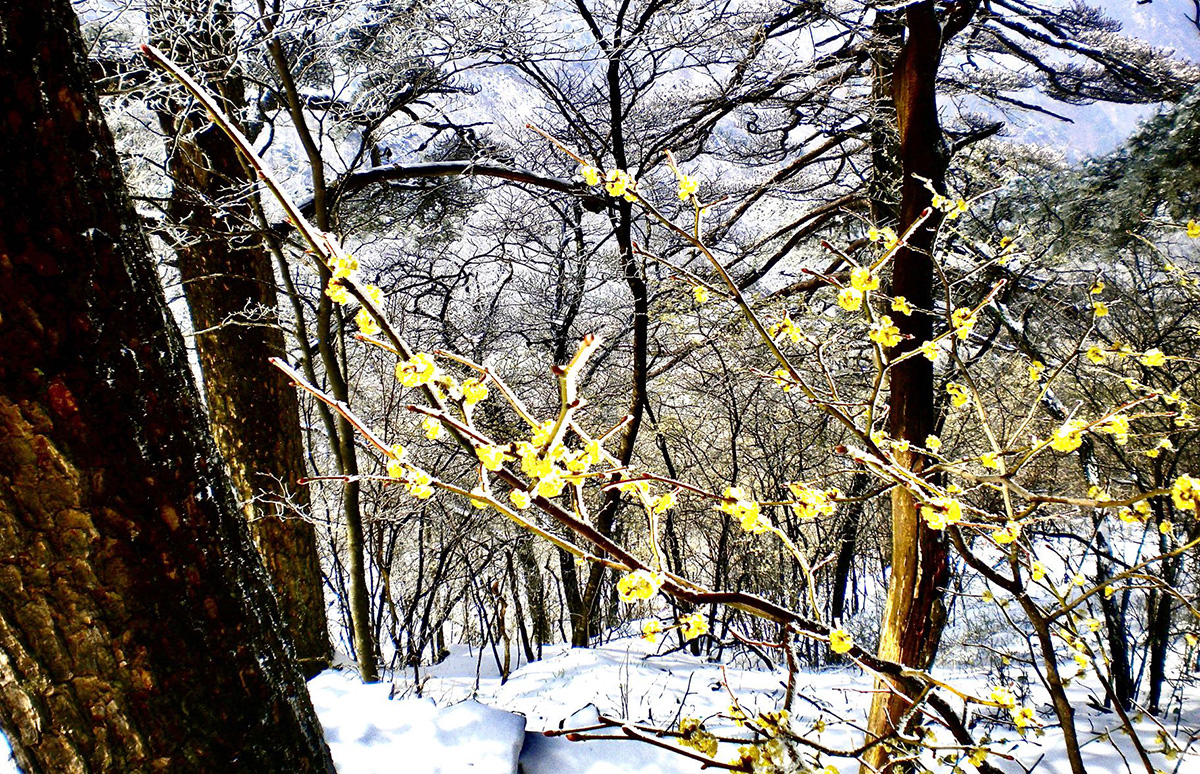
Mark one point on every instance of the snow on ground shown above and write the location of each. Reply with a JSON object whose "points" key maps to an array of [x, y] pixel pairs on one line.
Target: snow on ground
{"points": [[466, 720], [629, 679]]}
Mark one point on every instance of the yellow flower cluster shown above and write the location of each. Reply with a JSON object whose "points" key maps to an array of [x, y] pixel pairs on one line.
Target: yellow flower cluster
{"points": [[884, 235], [474, 390], [900, 304], [618, 182], [692, 734], [884, 333], [699, 294], [1116, 426], [492, 457], [810, 502], [520, 499], [840, 641], [417, 371], [959, 396], [1193, 229], [963, 321], [930, 351], [786, 326], [651, 630], [1036, 369], [590, 174], [639, 584], [1185, 492], [1152, 358], [940, 512], [693, 625], [850, 299], [737, 504], [1009, 534], [863, 279], [688, 186], [1068, 437], [951, 208]]}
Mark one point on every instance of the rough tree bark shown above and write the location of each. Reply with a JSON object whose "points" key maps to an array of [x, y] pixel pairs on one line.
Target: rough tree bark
{"points": [[230, 289], [913, 614], [137, 630]]}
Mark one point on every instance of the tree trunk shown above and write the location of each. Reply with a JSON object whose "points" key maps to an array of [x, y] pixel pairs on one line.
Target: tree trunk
{"points": [[913, 614], [137, 631], [230, 289]]}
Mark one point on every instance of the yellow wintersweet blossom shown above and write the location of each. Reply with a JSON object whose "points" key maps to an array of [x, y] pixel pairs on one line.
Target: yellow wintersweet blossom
{"points": [[1036, 369], [963, 321], [688, 186], [338, 293], [1100, 309], [959, 396], [1185, 492], [809, 501], [663, 503], [479, 498], [850, 299], [396, 468], [618, 182], [474, 390], [933, 443], [1116, 426], [745, 510], [840, 641], [885, 235], [990, 460], [884, 333], [1152, 357], [863, 279], [1009, 534], [930, 351], [432, 428], [1068, 437], [1096, 355], [416, 371], [419, 484], [900, 304], [374, 293], [590, 174], [492, 457], [699, 293], [692, 734], [786, 326], [1024, 717], [343, 266], [1097, 287], [520, 498], [901, 445], [693, 625], [1004, 697], [941, 512], [651, 629], [551, 484], [367, 325], [1193, 229], [1037, 571], [639, 584]]}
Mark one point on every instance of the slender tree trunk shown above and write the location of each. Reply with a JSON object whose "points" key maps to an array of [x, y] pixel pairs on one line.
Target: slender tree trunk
{"points": [[913, 615], [329, 335], [137, 630], [230, 289]]}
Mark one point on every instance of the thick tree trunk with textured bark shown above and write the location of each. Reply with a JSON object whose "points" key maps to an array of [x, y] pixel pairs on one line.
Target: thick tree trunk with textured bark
{"points": [[137, 630], [913, 614], [230, 289]]}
